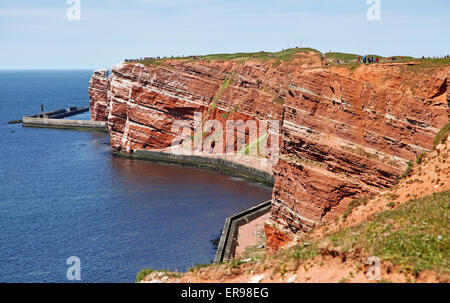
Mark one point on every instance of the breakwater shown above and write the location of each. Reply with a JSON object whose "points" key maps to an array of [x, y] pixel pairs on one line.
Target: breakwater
{"points": [[64, 124]]}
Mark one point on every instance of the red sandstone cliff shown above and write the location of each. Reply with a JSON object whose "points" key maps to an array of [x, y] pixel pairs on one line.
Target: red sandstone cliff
{"points": [[344, 132], [98, 93]]}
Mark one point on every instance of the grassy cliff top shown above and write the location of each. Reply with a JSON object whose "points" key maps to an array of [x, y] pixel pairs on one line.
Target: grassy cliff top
{"points": [[284, 55], [287, 55]]}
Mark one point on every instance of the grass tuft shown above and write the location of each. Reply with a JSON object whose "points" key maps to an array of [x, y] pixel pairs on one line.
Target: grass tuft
{"points": [[420, 157], [442, 136], [408, 170]]}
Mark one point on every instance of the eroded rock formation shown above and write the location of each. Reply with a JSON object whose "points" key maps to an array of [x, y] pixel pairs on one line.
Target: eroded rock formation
{"points": [[345, 133], [98, 93]]}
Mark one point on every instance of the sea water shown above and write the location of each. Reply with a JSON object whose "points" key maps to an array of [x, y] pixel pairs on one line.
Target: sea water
{"points": [[63, 194]]}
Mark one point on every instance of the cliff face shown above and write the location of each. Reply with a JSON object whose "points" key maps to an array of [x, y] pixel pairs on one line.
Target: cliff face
{"points": [[344, 133], [144, 103], [345, 137], [98, 93]]}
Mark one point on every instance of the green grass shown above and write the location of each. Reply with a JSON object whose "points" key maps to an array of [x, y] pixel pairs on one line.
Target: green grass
{"points": [[226, 82], [420, 158], [142, 274], [284, 55], [341, 56], [253, 148], [197, 267], [432, 63], [305, 251], [414, 236], [236, 263], [428, 66], [408, 170], [442, 135], [350, 57], [152, 63]]}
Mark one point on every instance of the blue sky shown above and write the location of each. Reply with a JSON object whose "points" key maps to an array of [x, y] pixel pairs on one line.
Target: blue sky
{"points": [[38, 35]]}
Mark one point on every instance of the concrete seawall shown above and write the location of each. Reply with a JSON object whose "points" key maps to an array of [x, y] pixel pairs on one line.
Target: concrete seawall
{"points": [[64, 124], [219, 164], [228, 240]]}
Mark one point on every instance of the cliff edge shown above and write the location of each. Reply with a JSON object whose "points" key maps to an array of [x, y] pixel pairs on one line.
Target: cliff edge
{"points": [[346, 131]]}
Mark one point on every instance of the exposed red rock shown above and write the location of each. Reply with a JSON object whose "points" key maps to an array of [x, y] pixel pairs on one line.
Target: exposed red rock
{"points": [[275, 238], [98, 93], [333, 264], [344, 133]]}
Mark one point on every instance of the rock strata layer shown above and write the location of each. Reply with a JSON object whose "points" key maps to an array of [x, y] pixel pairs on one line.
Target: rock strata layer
{"points": [[343, 134]]}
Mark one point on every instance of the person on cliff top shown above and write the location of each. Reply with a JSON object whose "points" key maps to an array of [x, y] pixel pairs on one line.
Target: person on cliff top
{"points": [[364, 59]]}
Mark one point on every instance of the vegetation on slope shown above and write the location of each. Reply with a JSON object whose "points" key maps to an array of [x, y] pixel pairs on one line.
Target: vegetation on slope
{"points": [[414, 236], [442, 136]]}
